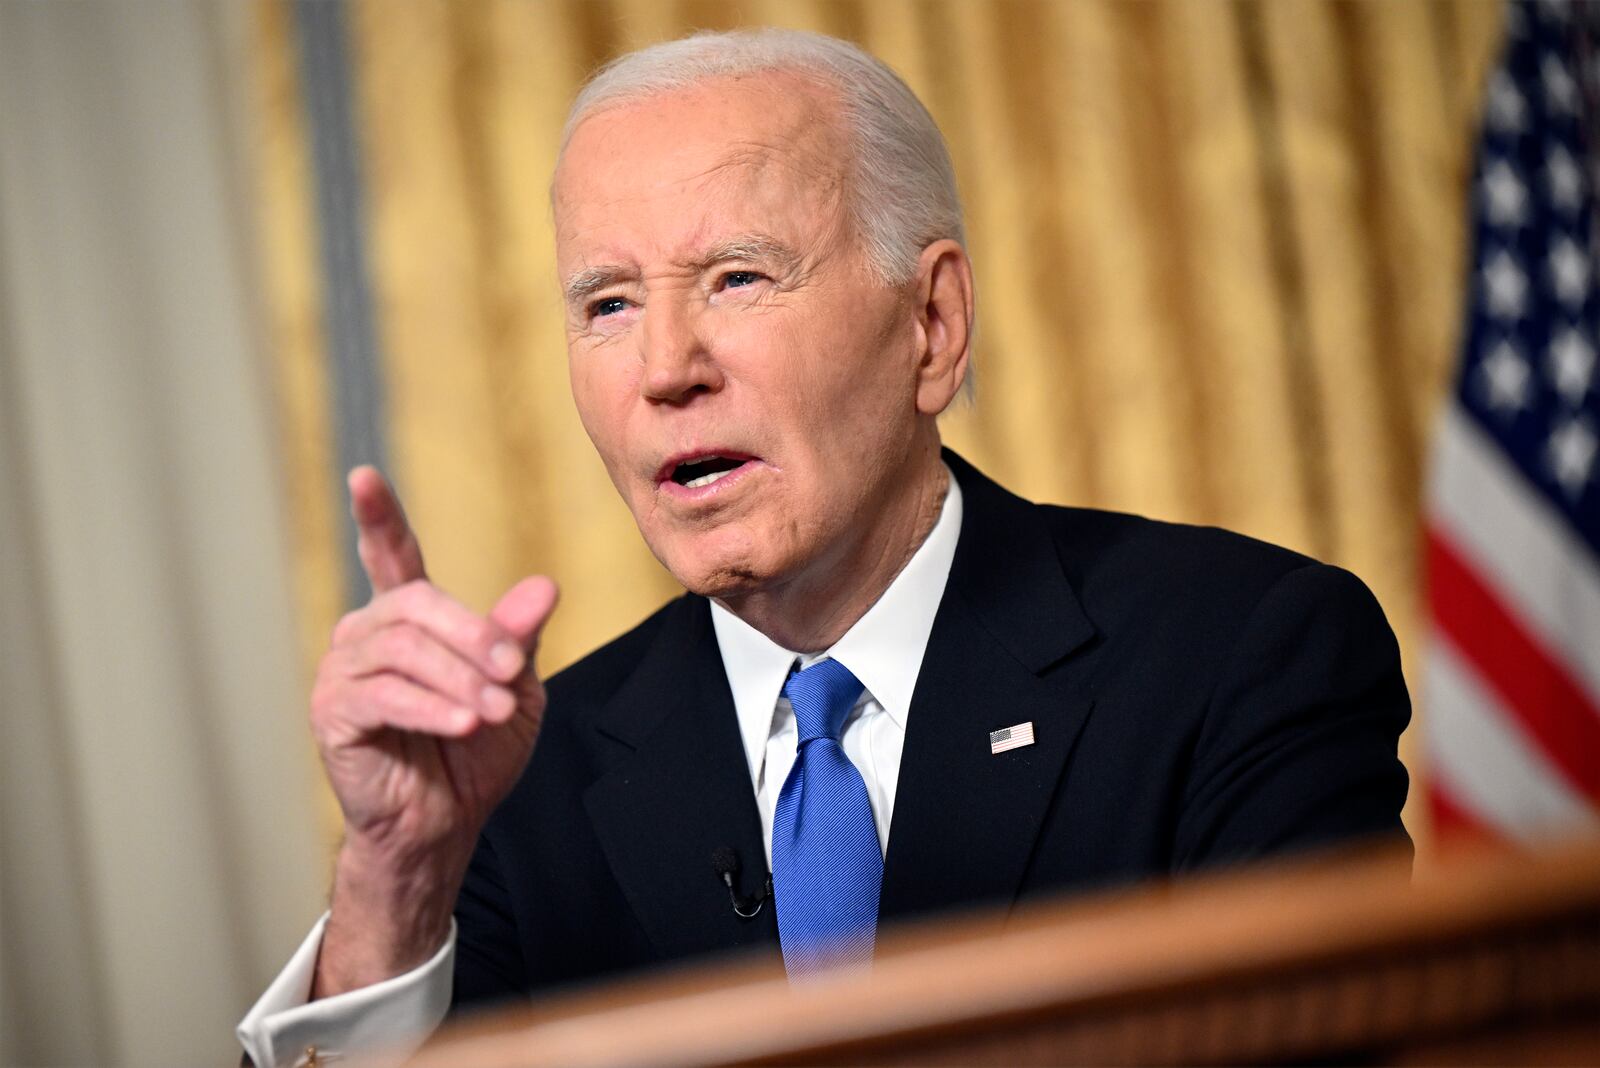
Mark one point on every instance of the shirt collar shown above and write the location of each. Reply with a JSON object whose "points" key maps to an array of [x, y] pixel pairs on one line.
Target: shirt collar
{"points": [[883, 649]]}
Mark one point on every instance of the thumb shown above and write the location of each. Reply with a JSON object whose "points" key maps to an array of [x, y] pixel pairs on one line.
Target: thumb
{"points": [[524, 610]]}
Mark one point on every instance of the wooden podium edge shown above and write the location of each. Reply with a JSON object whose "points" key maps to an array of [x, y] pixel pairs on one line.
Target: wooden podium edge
{"points": [[1104, 975]]}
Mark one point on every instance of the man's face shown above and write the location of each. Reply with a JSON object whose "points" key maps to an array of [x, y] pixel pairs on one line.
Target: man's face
{"points": [[748, 382]]}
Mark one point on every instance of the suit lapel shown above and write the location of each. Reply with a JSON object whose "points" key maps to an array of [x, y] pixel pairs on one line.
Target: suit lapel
{"points": [[965, 820], [680, 791]]}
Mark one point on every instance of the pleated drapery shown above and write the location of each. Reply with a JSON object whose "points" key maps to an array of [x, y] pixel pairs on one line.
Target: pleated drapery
{"points": [[1220, 254]]}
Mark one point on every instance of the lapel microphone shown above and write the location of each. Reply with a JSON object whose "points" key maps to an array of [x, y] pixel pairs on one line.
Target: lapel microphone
{"points": [[725, 862]]}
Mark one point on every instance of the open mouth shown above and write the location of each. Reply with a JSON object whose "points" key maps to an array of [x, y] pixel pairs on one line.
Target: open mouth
{"points": [[705, 470]]}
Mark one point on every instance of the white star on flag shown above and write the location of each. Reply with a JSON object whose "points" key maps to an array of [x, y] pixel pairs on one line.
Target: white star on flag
{"points": [[1505, 198], [1560, 91], [1505, 286], [1564, 179], [1571, 363], [1506, 377], [1506, 112], [1569, 272], [1571, 454]]}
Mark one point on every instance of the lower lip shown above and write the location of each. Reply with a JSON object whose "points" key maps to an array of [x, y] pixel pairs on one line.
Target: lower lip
{"points": [[716, 489]]}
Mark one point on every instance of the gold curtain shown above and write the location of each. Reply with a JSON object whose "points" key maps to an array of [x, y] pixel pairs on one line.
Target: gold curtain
{"points": [[1220, 255]]}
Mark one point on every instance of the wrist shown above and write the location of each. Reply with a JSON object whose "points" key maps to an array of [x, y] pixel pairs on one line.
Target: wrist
{"points": [[389, 915]]}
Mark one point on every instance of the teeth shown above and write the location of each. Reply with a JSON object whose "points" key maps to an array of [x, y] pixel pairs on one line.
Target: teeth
{"points": [[706, 480]]}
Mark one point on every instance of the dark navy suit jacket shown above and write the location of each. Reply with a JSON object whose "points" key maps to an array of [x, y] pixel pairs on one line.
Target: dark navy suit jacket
{"points": [[1197, 698]]}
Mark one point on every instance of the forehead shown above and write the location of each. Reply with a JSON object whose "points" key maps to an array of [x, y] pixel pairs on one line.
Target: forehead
{"points": [[657, 176]]}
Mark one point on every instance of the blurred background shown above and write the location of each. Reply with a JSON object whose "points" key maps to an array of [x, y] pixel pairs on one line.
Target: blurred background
{"points": [[1223, 260]]}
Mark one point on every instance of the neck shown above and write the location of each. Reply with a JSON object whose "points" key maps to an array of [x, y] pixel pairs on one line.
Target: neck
{"points": [[811, 612]]}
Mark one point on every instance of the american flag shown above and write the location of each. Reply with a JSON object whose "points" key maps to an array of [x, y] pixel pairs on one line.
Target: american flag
{"points": [[1008, 738], [1512, 695]]}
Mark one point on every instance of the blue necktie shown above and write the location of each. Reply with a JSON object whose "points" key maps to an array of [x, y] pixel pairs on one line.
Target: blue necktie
{"points": [[827, 866]]}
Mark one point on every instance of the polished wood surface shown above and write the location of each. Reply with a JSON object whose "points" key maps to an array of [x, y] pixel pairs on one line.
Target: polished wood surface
{"points": [[1490, 955]]}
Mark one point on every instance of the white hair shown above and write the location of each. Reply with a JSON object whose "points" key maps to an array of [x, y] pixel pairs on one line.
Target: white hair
{"points": [[903, 194]]}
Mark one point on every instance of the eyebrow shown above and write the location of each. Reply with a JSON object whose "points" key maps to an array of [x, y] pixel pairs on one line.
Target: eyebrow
{"points": [[591, 280], [757, 248], [752, 247]]}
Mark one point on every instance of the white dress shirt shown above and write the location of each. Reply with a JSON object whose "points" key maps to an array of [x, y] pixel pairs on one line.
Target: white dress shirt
{"points": [[884, 650]]}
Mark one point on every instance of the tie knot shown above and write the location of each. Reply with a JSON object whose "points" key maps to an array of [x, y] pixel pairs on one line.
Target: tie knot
{"points": [[822, 695]]}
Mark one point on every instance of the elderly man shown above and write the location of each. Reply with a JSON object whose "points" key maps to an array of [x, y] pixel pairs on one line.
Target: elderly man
{"points": [[893, 684]]}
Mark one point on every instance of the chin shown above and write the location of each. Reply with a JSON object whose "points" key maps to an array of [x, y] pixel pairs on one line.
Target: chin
{"points": [[726, 583], [721, 563], [718, 578]]}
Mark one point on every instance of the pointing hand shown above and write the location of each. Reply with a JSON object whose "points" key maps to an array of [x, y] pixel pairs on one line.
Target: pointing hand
{"points": [[424, 714]]}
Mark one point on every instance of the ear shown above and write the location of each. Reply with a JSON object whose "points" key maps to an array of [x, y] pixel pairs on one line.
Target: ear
{"points": [[945, 307]]}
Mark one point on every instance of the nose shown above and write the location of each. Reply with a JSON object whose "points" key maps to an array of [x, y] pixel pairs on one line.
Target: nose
{"points": [[678, 363]]}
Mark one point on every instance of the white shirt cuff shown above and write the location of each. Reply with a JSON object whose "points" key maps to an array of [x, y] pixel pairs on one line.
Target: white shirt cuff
{"points": [[384, 1023]]}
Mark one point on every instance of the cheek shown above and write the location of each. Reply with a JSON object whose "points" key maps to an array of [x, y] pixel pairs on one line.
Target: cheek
{"points": [[603, 384], [861, 380], [793, 375]]}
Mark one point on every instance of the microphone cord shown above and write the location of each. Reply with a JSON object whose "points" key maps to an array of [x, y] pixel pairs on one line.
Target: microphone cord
{"points": [[725, 862]]}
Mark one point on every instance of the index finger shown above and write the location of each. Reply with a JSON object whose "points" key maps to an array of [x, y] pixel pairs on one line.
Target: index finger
{"points": [[388, 549]]}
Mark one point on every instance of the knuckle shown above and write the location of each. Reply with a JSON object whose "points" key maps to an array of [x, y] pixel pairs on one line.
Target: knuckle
{"points": [[388, 690], [416, 599], [345, 628], [330, 671], [329, 703], [414, 593], [321, 701], [328, 664], [462, 679], [401, 644], [478, 634]]}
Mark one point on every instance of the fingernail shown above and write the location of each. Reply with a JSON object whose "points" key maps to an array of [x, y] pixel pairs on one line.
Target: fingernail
{"points": [[463, 719], [497, 702], [506, 658]]}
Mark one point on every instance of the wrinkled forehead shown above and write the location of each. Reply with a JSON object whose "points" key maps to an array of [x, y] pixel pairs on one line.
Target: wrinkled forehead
{"points": [[768, 149]]}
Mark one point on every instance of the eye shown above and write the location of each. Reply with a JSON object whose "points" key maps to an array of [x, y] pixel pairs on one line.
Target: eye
{"points": [[606, 306], [738, 279]]}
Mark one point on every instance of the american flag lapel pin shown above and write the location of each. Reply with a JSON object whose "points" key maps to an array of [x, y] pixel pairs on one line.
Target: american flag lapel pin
{"points": [[1011, 737]]}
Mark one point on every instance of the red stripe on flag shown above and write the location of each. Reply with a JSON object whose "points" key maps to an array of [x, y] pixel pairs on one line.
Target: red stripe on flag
{"points": [[1453, 824], [1552, 709]]}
